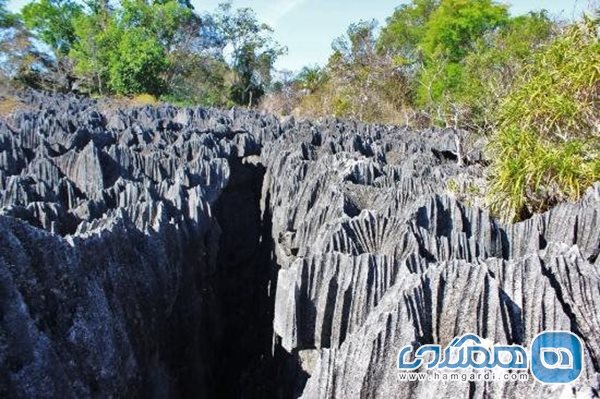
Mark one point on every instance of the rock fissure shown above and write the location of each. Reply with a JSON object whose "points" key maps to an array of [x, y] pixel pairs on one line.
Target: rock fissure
{"points": [[164, 252], [245, 271]]}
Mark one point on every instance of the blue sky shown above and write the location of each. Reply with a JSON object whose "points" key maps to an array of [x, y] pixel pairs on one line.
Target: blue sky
{"points": [[307, 27]]}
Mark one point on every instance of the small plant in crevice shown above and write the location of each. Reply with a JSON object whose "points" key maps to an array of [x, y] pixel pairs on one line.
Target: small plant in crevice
{"points": [[467, 189]]}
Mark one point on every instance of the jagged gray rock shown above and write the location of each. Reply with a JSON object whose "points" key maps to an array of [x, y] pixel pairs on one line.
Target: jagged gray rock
{"points": [[117, 296], [387, 258], [157, 251]]}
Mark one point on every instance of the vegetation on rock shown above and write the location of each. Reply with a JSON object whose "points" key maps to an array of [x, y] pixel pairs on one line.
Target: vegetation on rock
{"points": [[529, 83], [546, 147]]}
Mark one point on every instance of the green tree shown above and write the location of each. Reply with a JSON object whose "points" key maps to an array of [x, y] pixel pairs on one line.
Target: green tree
{"points": [[454, 27], [451, 33], [52, 22], [404, 31], [435, 61], [137, 64], [147, 34], [98, 34], [21, 61], [126, 50], [162, 19], [158, 47], [498, 59], [253, 50]]}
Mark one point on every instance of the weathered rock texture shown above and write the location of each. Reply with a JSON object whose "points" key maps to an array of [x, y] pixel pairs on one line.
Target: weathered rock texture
{"points": [[375, 256], [109, 247], [163, 252]]}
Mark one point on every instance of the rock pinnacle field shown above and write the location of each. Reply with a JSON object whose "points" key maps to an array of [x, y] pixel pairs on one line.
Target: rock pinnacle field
{"points": [[168, 252]]}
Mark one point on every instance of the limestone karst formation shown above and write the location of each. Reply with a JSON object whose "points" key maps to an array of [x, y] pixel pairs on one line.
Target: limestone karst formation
{"points": [[165, 252]]}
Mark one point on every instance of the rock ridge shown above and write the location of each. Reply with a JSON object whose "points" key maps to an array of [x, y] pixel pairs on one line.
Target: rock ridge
{"points": [[167, 252]]}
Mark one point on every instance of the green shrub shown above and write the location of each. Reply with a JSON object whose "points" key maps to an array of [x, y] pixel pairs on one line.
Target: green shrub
{"points": [[547, 145], [450, 35]]}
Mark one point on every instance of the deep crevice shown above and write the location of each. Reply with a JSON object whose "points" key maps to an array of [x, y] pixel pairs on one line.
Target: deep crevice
{"points": [[247, 363], [243, 272]]}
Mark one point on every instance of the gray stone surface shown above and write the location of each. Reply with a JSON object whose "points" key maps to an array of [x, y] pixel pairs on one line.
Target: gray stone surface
{"points": [[140, 257], [109, 246], [376, 255]]}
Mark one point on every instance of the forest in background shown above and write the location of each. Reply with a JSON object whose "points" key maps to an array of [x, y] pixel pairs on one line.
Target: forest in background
{"points": [[530, 83], [163, 49]]}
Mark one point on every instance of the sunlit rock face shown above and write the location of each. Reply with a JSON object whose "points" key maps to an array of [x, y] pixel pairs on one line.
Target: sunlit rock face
{"points": [[375, 255], [164, 252]]}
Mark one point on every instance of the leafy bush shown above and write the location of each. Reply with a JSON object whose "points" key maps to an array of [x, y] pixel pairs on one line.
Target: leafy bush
{"points": [[547, 145], [137, 64]]}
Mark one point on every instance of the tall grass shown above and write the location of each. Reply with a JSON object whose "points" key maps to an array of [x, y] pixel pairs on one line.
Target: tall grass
{"points": [[547, 145]]}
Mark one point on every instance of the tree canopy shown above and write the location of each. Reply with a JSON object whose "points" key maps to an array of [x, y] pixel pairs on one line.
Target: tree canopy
{"points": [[52, 22], [527, 81], [159, 47]]}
